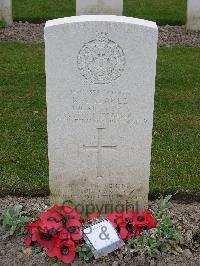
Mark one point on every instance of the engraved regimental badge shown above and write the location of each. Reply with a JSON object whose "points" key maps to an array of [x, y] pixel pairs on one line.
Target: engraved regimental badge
{"points": [[101, 61]]}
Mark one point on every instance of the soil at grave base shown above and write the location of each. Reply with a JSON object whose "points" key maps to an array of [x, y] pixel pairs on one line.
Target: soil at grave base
{"points": [[169, 36], [12, 250]]}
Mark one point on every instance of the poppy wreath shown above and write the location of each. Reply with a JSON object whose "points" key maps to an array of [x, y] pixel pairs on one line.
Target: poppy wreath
{"points": [[59, 232]]}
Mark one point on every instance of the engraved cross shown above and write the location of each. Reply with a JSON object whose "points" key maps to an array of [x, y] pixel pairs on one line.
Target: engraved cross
{"points": [[100, 147]]}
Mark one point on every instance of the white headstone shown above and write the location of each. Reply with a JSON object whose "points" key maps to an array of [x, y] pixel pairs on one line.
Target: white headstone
{"points": [[100, 74], [99, 7], [6, 11], [193, 15]]}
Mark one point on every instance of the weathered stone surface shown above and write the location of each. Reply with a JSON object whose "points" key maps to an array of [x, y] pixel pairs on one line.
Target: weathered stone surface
{"points": [[100, 74], [193, 15], [99, 7], [6, 11]]}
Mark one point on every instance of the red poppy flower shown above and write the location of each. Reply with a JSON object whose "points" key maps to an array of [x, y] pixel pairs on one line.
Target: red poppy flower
{"points": [[71, 213], [42, 233], [128, 216], [51, 227], [126, 230], [59, 229], [118, 215], [45, 240], [64, 234], [63, 250], [73, 227], [50, 216], [56, 208], [113, 218], [35, 228], [143, 221], [92, 216], [126, 227]]}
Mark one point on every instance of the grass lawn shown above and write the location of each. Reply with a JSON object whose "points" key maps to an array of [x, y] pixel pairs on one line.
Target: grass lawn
{"points": [[164, 12], [172, 12], [176, 142]]}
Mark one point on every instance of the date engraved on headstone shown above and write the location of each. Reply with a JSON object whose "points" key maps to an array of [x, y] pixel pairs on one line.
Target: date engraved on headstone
{"points": [[101, 61]]}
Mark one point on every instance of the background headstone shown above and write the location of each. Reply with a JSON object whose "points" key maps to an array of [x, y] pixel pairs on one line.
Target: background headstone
{"points": [[100, 74], [193, 15], [6, 11], [99, 7]]}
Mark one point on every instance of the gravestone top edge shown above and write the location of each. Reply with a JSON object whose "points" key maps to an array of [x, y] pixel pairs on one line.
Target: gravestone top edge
{"points": [[102, 18]]}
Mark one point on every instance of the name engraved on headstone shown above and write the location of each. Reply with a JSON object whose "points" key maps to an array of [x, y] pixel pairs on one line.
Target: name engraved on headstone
{"points": [[95, 105]]}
